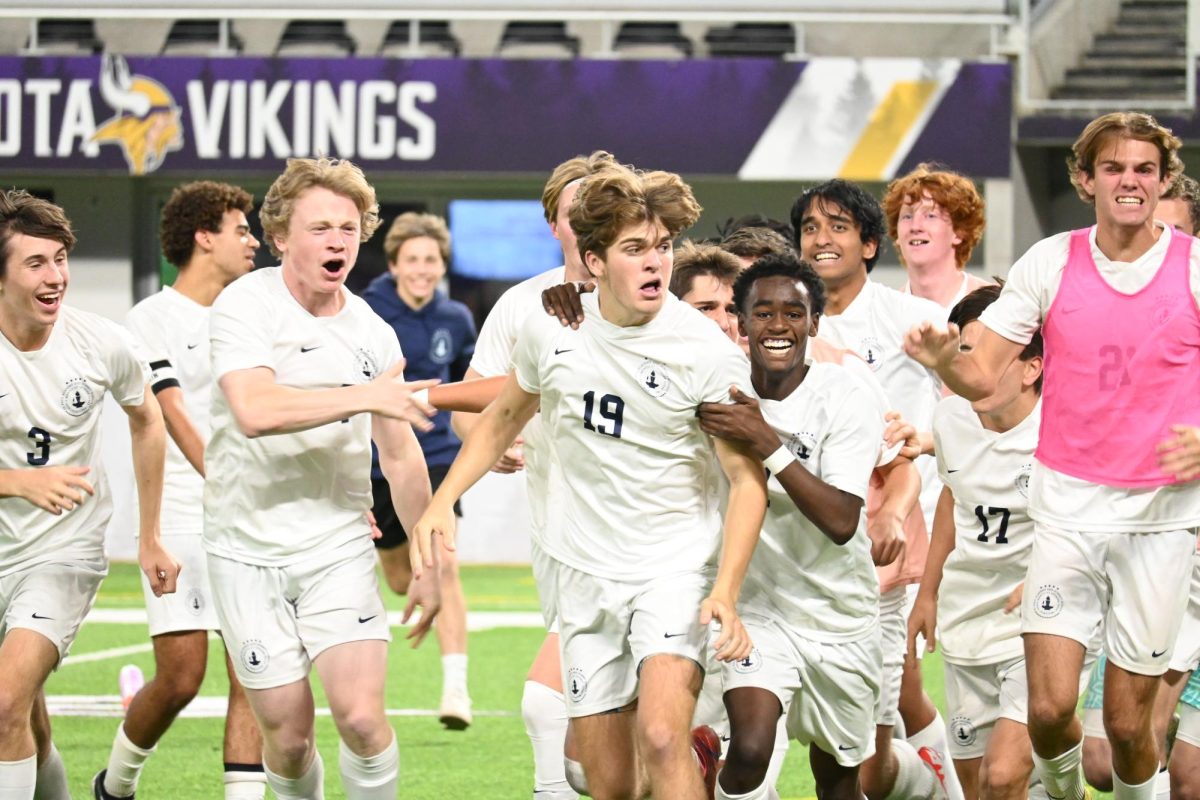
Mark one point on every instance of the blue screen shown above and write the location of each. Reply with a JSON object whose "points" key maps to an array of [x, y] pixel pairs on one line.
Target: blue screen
{"points": [[501, 240]]}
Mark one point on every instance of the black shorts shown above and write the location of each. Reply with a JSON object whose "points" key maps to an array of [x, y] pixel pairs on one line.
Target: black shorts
{"points": [[385, 512]]}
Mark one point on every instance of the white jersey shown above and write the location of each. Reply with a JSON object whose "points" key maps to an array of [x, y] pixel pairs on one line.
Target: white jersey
{"points": [[278, 500], [173, 332], [50, 407], [833, 425], [874, 326], [493, 356], [619, 404], [988, 472], [1056, 498]]}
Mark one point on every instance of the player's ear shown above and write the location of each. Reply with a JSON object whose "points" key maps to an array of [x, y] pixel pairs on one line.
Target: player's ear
{"points": [[870, 248], [814, 323], [1033, 371], [594, 264]]}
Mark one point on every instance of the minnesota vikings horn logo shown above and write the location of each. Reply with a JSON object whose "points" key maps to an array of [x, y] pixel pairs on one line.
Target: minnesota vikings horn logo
{"points": [[146, 122]]}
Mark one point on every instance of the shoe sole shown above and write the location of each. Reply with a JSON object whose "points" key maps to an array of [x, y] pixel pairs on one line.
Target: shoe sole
{"points": [[455, 723]]}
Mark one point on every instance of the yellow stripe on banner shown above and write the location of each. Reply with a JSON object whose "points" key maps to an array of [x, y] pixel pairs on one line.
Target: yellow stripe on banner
{"points": [[887, 128]]}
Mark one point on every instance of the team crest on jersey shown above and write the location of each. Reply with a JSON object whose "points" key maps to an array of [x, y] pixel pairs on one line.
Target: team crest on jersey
{"points": [[1162, 310], [366, 364], [195, 602], [1049, 602], [254, 656], [78, 398], [802, 444], [963, 731], [654, 378], [751, 663], [871, 352], [576, 684], [1022, 481], [441, 347]]}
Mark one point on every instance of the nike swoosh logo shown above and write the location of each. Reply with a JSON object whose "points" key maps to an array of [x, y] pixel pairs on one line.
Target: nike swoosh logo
{"points": [[558, 352], [193, 346], [1159, 653], [844, 748], [4, 395], [367, 619], [951, 471], [309, 349], [39, 616], [673, 635]]}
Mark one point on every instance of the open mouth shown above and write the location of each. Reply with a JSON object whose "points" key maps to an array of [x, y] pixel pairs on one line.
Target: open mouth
{"points": [[651, 289], [1129, 201], [826, 256], [49, 299], [778, 346], [333, 266], [917, 242]]}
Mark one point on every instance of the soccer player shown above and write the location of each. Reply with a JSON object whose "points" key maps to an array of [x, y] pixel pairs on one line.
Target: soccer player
{"points": [[634, 487], [982, 538], [204, 232], [751, 244], [1179, 205], [1114, 506], [840, 228], [300, 363], [702, 277], [935, 219], [57, 364], [811, 598], [543, 706], [438, 336]]}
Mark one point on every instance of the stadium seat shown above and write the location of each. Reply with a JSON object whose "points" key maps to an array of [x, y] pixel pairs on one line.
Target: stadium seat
{"points": [[316, 37], [652, 40], [434, 39], [752, 40], [65, 37], [200, 37], [537, 40]]}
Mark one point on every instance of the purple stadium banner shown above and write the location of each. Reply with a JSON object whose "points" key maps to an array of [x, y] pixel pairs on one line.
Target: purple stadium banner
{"points": [[754, 118]]}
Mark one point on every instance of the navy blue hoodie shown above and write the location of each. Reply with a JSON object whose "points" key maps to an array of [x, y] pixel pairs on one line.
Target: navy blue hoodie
{"points": [[438, 341]]}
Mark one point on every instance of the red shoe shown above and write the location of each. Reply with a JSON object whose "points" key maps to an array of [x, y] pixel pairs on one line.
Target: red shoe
{"points": [[934, 762], [707, 747]]}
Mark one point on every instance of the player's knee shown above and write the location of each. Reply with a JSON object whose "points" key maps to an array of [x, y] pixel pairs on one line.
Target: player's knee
{"points": [[747, 761], [398, 579], [1004, 777], [363, 729], [660, 741], [1047, 714], [1185, 784], [15, 708], [1127, 730], [179, 684]]}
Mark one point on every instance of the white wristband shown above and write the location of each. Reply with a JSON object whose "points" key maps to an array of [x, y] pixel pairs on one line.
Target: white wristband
{"points": [[778, 461], [421, 396]]}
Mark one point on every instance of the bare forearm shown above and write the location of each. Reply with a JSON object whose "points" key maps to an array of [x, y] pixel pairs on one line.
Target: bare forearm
{"points": [[181, 429], [900, 491], [941, 544], [149, 438], [469, 395], [743, 522], [409, 482], [964, 376], [270, 409], [833, 511]]}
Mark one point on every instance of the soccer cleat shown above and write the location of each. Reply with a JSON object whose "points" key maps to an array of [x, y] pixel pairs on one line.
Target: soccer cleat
{"points": [[98, 787], [934, 761], [707, 747], [130, 683], [455, 712]]}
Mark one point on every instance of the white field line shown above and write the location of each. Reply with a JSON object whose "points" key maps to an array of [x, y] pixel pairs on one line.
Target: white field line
{"points": [[476, 620], [205, 706]]}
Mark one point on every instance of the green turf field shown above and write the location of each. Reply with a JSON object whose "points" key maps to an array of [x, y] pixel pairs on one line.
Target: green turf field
{"points": [[489, 760]]}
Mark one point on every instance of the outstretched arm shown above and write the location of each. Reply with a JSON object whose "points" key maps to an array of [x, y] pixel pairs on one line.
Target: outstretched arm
{"points": [[971, 374], [149, 437]]}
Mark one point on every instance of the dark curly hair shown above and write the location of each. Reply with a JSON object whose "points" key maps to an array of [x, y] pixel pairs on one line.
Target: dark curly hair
{"points": [[851, 198], [781, 265], [198, 206]]}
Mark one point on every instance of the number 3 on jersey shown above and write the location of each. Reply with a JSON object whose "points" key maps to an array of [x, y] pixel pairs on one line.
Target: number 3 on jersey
{"points": [[611, 408], [41, 444]]}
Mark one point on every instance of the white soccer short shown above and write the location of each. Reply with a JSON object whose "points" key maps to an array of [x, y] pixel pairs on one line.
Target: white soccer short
{"points": [[1129, 583], [51, 598], [1189, 725], [609, 628], [544, 566], [827, 690], [190, 607], [1186, 655], [893, 642], [276, 620]]}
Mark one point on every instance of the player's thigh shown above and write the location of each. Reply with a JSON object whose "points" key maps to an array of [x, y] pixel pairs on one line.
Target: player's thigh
{"points": [[1146, 571], [667, 691], [546, 668], [1053, 665], [834, 780], [353, 675], [605, 744], [286, 711], [1185, 771], [50, 599], [1128, 700], [181, 658]]}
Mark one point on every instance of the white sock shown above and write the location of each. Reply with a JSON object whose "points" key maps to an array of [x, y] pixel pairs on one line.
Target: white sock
{"points": [[1062, 775], [1162, 786], [1143, 791], [370, 777], [778, 754], [124, 765], [576, 778], [246, 782], [934, 738], [454, 673], [309, 786], [18, 778], [545, 714], [761, 792], [914, 779], [52, 778]]}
